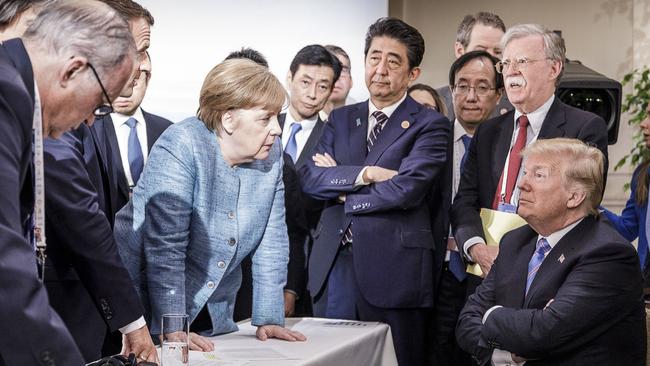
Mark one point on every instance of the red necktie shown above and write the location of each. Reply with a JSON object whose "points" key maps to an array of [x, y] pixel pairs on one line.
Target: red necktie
{"points": [[514, 163]]}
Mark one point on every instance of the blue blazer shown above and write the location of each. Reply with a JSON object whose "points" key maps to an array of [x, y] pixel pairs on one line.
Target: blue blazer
{"points": [[191, 221], [631, 223], [393, 241]]}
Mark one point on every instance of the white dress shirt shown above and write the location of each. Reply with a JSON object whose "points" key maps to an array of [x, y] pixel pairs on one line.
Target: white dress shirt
{"points": [[502, 357], [122, 131], [301, 136]]}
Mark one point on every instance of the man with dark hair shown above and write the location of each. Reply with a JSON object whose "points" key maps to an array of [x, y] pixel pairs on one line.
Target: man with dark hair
{"points": [[44, 89], [250, 54], [478, 32], [94, 286], [476, 88], [339, 96], [375, 165], [17, 15]]}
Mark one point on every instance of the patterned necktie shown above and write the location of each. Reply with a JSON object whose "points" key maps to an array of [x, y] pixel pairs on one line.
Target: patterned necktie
{"points": [[381, 119], [292, 146], [136, 159], [543, 247], [514, 163]]}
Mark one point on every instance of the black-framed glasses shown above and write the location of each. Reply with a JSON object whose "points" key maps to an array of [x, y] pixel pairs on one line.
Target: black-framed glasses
{"points": [[520, 63], [480, 90], [102, 109]]}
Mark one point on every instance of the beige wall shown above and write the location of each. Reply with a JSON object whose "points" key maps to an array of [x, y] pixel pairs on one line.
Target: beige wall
{"points": [[609, 36]]}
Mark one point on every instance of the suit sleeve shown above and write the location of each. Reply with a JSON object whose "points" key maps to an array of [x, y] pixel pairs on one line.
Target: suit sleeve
{"points": [[328, 183], [598, 292], [270, 261], [33, 332], [83, 236], [415, 176], [297, 228], [594, 132], [627, 224], [470, 320]]}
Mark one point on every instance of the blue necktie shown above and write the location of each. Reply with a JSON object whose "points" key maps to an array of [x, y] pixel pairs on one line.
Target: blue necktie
{"points": [[456, 265], [292, 146], [543, 247], [136, 159], [466, 140]]}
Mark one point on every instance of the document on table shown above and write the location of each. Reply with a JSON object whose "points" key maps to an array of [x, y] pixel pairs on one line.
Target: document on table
{"points": [[495, 225]]}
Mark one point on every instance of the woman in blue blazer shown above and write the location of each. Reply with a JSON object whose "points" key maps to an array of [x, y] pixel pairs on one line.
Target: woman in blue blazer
{"points": [[210, 194], [632, 221]]}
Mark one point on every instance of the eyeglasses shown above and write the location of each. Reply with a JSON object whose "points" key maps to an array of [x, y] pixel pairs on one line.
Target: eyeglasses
{"points": [[480, 90], [520, 63], [103, 109]]}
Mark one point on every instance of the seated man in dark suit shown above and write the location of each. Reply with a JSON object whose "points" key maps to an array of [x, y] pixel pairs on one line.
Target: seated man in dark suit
{"points": [[566, 288], [48, 85]]}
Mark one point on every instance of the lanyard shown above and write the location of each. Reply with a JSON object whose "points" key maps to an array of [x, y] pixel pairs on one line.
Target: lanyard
{"points": [[39, 178]]}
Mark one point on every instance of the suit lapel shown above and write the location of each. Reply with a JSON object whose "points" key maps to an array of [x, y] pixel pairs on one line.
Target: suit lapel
{"points": [[555, 118], [281, 118], [152, 134], [396, 125], [556, 258], [358, 125], [312, 141], [109, 130], [501, 148]]}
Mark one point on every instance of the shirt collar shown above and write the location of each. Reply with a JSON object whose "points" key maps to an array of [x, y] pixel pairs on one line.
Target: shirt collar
{"points": [[307, 124], [388, 110], [536, 117], [459, 131], [555, 238]]}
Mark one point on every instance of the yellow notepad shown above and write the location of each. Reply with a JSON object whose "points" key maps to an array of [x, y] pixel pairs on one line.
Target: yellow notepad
{"points": [[495, 225]]}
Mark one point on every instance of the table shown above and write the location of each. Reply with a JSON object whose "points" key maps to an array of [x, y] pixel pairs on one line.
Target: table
{"points": [[329, 342]]}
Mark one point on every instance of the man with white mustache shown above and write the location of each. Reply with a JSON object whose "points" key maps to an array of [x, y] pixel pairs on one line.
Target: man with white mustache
{"points": [[532, 64]]}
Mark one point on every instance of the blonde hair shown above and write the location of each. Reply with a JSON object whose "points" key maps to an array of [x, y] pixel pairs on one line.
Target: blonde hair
{"points": [[582, 166], [238, 84]]}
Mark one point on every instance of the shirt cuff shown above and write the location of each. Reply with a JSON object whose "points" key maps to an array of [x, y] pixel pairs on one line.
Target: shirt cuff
{"points": [[359, 181], [489, 311], [470, 243], [133, 326]]}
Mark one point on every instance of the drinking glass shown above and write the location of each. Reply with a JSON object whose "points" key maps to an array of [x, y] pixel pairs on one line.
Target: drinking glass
{"points": [[175, 338]]}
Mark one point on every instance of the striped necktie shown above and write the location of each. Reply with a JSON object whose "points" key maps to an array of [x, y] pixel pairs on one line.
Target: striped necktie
{"points": [[543, 247]]}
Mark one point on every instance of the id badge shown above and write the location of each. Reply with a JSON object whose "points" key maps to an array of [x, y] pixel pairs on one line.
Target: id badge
{"points": [[506, 207]]}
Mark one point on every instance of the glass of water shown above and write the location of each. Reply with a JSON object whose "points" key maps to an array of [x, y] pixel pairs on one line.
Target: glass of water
{"points": [[175, 340]]}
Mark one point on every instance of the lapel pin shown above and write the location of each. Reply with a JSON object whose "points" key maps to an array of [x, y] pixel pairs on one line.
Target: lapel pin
{"points": [[405, 124], [561, 259], [358, 122]]}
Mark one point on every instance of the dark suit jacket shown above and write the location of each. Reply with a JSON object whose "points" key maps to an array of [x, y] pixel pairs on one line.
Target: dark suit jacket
{"points": [[33, 334], [86, 280], [105, 132], [488, 152], [393, 243], [597, 316]]}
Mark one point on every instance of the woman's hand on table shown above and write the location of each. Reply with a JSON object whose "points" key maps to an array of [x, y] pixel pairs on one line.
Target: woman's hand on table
{"points": [[275, 331]]}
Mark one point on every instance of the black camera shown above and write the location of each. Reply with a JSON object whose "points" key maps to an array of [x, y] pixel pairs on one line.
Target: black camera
{"points": [[584, 88]]}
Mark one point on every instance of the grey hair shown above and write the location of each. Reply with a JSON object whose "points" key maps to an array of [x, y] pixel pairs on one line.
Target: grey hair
{"points": [[554, 47], [85, 28], [11, 9]]}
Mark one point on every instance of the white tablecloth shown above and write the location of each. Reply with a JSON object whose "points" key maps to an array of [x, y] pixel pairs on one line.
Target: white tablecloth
{"points": [[329, 343]]}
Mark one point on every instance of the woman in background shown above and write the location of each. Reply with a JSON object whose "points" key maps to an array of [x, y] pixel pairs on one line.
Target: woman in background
{"points": [[633, 221], [210, 194], [428, 97]]}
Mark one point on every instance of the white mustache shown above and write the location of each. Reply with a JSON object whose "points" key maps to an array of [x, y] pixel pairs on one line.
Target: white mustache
{"points": [[515, 80]]}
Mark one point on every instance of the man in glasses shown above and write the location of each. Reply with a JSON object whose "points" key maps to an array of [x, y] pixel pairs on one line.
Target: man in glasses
{"points": [[84, 274], [47, 84], [532, 64], [476, 89]]}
